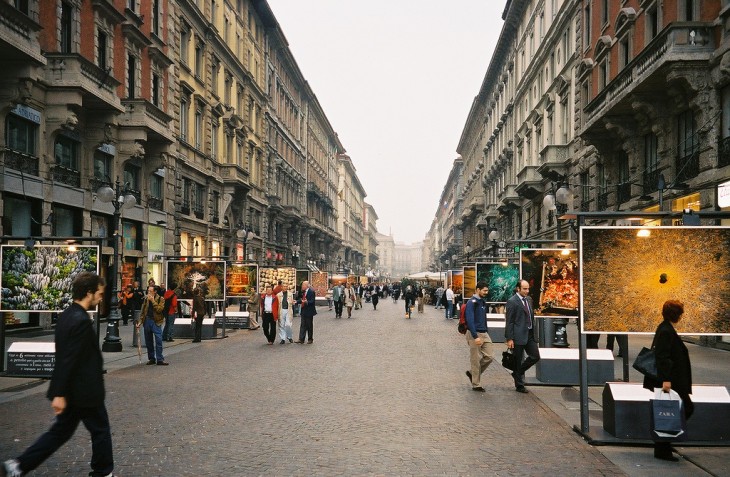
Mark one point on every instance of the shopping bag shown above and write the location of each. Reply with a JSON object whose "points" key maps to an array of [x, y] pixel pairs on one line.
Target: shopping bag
{"points": [[667, 416], [645, 363]]}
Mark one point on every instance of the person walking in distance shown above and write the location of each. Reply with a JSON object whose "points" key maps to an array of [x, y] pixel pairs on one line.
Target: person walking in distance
{"points": [[126, 303], [269, 313], [350, 298], [338, 297], [253, 310], [169, 312], [477, 336], [449, 301], [376, 297], [151, 317], [198, 314], [76, 389], [307, 313], [519, 333]]}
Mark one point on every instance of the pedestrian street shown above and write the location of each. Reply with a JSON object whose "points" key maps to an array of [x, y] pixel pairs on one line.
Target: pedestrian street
{"points": [[373, 395]]}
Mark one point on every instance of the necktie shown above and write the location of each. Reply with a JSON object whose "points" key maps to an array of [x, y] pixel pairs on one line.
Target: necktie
{"points": [[527, 309]]}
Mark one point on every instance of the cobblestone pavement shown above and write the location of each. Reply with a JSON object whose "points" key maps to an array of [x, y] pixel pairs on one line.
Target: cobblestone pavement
{"points": [[374, 395]]}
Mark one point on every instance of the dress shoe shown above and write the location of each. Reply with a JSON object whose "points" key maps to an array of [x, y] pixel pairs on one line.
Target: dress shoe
{"points": [[521, 389], [478, 389], [196, 341], [282, 342], [163, 363], [152, 361], [310, 341]]}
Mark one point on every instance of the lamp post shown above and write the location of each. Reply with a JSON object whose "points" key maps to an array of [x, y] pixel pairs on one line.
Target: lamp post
{"points": [[244, 234], [322, 260], [467, 249], [494, 238], [295, 254], [558, 202], [121, 199]]}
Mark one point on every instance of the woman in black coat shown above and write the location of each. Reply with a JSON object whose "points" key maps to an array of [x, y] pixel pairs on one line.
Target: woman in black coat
{"points": [[673, 367]]}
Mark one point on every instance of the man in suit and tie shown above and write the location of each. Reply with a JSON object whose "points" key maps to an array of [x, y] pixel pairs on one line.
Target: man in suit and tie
{"points": [[307, 313], [76, 390], [519, 333]]}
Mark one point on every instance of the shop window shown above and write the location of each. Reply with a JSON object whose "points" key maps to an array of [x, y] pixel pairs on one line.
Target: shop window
{"points": [[131, 236], [67, 221], [22, 216]]}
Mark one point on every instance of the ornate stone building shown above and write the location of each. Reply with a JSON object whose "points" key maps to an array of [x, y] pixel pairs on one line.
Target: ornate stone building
{"points": [[198, 109], [86, 101]]}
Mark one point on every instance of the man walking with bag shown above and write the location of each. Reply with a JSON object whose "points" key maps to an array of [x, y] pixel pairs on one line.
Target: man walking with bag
{"points": [[519, 333], [477, 337]]}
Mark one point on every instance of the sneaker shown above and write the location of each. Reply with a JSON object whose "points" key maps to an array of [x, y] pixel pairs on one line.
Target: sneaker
{"points": [[11, 468]]}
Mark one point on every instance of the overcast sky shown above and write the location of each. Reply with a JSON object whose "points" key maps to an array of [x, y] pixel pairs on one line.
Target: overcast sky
{"points": [[396, 79]]}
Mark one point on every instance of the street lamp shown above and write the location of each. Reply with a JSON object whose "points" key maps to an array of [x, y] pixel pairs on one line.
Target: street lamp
{"points": [[295, 254], [494, 238], [467, 249], [321, 260], [245, 235], [454, 257], [121, 199]]}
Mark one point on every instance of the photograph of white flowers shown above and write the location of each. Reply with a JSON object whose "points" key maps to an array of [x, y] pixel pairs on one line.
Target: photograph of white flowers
{"points": [[39, 278]]}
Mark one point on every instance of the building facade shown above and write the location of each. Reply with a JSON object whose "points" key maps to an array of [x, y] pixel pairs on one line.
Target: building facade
{"points": [[198, 110]]}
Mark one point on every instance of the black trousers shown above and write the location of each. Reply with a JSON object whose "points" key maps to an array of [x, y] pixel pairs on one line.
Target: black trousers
{"points": [[95, 419], [269, 327], [338, 308], [533, 356], [198, 327], [306, 327]]}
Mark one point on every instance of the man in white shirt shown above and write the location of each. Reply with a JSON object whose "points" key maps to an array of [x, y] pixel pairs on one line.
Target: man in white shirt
{"points": [[449, 302]]}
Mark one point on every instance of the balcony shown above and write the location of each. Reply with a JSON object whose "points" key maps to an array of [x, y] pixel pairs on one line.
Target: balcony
{"points": [[71, 72], [651, 181], [20, 32], [234, 175], [510, 199], [24, 163], [602, 202], [623, 193], [553, 159], [723, 152], [688, 167], [140, 113], [529, 183], [155, 202], [678, 43], [67, 176]]}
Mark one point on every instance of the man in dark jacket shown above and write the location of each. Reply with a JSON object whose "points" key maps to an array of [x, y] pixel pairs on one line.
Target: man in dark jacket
{"points": [[519, 334], [308, 312], [76, 390]]}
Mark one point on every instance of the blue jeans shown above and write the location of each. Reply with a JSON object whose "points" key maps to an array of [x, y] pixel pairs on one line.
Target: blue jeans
{"points": [[169, 330], [449, 304], [153, 340]]}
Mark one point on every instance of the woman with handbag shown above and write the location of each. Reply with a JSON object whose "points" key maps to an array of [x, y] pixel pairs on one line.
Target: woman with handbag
{"points": [[673, 368]]}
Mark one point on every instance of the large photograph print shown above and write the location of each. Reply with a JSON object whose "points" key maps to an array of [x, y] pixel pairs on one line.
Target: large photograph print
{"points": [[500, 277], [627, 273], [39, 278], [554, 280], [241, 280], [209, 276]]}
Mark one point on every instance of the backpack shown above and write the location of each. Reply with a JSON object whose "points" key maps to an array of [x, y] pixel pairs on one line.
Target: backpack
{"points": [[462, 319]]}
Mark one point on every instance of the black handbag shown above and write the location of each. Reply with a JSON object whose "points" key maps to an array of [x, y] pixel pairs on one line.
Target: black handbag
{"points": [[508, 360], [645, 363]]}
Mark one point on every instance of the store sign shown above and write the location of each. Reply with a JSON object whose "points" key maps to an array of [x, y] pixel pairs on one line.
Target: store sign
{"points": [[28, 113], [723, 195]]}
